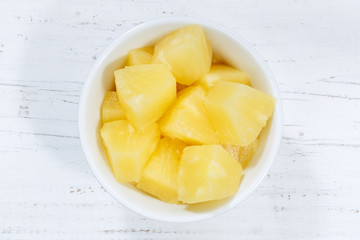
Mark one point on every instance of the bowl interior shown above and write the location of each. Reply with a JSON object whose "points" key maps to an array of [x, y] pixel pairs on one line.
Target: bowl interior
{"points": [[238, 53]]}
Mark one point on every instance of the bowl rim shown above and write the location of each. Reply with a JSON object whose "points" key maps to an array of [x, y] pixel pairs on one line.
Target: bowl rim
{"points": [[260, 61]]}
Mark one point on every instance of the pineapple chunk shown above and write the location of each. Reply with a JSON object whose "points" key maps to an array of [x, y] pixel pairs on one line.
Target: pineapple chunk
{"points": [[242, 154], [238, 112], [188, 120], [111, 110], [145, 92], [139, 56], [186, 52], [128, 149], [159, 177], [207, 173], [224, 73]]}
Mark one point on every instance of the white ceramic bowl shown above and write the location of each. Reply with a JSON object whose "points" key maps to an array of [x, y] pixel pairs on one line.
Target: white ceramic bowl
{"points": [[231, 47]]}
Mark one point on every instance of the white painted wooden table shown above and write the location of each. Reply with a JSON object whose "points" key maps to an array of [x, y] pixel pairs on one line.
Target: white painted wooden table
{"points": [[47, 190]]}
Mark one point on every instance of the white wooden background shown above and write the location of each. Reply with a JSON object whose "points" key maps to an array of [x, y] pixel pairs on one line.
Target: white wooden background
{"points": [[47, 190]]}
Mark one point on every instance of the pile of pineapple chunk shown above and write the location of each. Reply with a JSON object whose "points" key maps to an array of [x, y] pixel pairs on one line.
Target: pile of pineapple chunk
{"points": [[180, 125]]}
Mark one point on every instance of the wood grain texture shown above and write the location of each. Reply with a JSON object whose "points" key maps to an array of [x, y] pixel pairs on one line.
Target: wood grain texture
{"points": [[47, 190]]}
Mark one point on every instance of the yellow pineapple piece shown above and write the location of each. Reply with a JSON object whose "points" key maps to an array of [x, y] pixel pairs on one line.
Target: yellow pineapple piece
{"points": [[128, 149], [186, 52], [139, 56], [242, 154], [159, 177], [188, 120], [145, 92], [110, 109], [238, 112], [207, 173], [224, 73]]}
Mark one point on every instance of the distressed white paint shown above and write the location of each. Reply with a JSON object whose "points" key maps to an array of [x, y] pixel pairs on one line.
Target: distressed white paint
{"points": [[46, 51]]}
